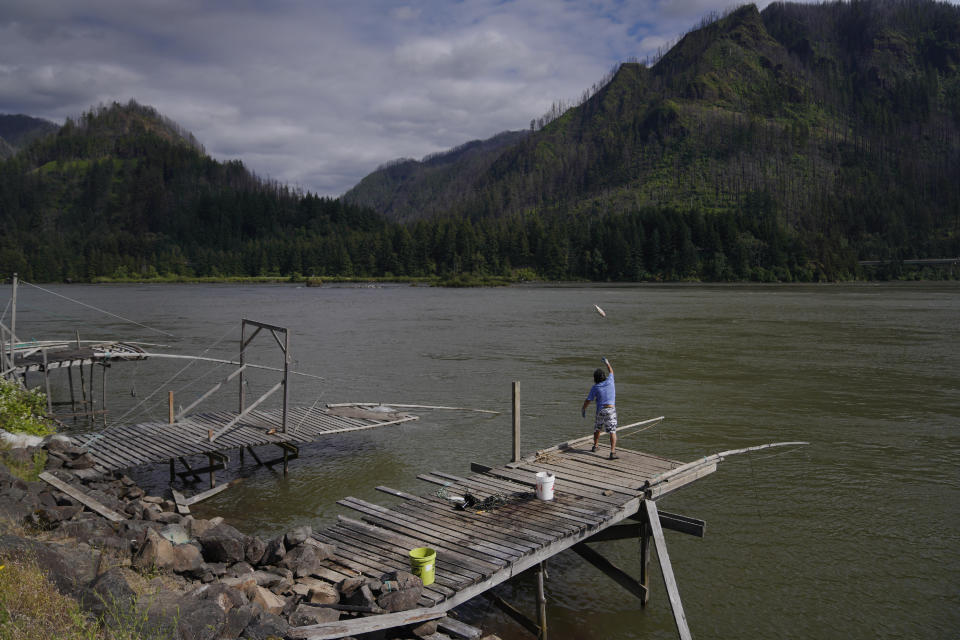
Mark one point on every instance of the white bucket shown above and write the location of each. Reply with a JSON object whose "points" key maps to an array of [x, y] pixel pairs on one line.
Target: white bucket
{"points": [[545, 485]]}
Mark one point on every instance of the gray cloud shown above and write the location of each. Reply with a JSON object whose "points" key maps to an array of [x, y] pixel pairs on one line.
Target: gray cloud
{"points": [[318, 94]]}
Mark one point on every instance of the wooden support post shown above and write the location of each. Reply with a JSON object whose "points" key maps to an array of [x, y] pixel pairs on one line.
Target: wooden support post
{"points": [[286, 389], [254, 454], [241, 455], [83, 383], [516, 421], [517, 615], [103, 391], [173, 470], [612, 571], [93, 404], [670, 582], [645, 563], [541, 601], [73, 399], [190, 471], [46, 383], [213, 473], [285, 453], [170, 407]]}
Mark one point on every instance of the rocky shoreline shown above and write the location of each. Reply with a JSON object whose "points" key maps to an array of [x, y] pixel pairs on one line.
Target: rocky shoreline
{"points": [[177, 576]]}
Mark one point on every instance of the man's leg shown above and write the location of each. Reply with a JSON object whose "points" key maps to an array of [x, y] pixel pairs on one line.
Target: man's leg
{"points": [[596, 438], [613, 443]]}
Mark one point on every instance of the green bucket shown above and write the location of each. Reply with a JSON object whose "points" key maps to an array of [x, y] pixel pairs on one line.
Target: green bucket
{"points": [[422, 561]]}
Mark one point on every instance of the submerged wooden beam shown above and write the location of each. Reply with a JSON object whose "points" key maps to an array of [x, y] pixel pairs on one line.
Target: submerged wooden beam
{"points": [[675, 522], [612, 571], [673, 593], [515, 614]]}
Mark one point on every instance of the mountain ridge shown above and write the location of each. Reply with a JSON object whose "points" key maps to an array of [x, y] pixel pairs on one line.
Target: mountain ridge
{"points": [[843, 118]]}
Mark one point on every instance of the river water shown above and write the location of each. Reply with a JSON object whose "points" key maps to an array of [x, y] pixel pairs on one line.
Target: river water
{"points": [[853, 536]]}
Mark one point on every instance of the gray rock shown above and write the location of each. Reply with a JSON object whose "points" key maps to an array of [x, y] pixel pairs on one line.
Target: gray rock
{"points": [[109, 597], [175, 533], [239, 569], [362, 597], [58, 566], [51, 517], [322, 549], [61, 443], [254, 550], [274, 552], [305, 615], [266, 625], [302, 560], [83, 461], [223, 543], [297, 536], [395, 580], [86, 474], [185, 617], [426, 629], [158, 552], [400, 600], [166, 517], [237, 620]]}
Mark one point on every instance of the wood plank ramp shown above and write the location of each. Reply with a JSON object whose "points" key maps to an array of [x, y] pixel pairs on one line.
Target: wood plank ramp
{"points": [[477, 550], [125, 446]]}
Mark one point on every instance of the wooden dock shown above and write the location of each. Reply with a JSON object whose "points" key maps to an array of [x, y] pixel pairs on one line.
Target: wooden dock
{"points": [[122, 447], [479, 549], [45, 357]]}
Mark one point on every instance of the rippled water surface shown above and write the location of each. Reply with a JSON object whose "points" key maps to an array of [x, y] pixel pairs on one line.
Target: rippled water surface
{"points": [[854, 536]]}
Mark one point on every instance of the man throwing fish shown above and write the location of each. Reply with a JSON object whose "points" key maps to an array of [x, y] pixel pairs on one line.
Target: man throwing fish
{"points": [[605, 393]]}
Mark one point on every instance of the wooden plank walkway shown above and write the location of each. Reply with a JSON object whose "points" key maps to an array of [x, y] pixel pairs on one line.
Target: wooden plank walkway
{"points": [[28, 359], [477, 550], [125, 446]]}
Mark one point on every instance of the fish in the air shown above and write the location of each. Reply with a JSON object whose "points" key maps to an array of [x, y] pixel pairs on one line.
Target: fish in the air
{"points": [[600, 311]]}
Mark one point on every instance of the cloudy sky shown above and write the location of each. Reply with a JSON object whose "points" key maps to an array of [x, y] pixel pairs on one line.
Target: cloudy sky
{"points": [[318, 93]]}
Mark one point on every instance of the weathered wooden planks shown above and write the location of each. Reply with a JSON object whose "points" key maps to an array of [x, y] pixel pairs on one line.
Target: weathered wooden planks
{"points": [[82, 497], [124, 446]]}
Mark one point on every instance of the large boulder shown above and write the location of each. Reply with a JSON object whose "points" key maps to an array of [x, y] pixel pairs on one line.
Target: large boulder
{"points": [[265, 626], [109, 597], [158, 553], [401, 591], [184, 616], [297, 536], [268, 600], [302, 561], [60, 569], [274, 552], [316, 591], [223, 543], [254, 550]]}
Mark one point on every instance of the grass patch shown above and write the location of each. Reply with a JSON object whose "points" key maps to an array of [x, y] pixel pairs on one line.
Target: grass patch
{"points": [[31, 608], [28, 470]]}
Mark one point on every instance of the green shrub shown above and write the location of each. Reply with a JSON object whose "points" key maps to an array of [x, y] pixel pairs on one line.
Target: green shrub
{"points": [[23, 411]]}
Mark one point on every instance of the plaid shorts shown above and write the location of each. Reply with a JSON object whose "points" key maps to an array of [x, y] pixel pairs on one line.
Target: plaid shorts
{"points": [[606, 420]]}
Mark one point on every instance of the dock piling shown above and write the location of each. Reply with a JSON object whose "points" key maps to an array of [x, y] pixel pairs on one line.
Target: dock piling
{"points": [[516, 421]]}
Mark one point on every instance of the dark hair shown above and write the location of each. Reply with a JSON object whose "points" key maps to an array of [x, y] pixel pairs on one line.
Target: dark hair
{"points": [[599, 375]]}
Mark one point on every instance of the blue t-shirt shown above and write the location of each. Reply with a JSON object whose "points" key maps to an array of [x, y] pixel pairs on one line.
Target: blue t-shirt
{"points": [[603, 392]]}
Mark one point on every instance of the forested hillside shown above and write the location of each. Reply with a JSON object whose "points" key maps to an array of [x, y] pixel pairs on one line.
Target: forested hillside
{"points": [[783, 145], [17, 131], [124, 191], [807, 136]]}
